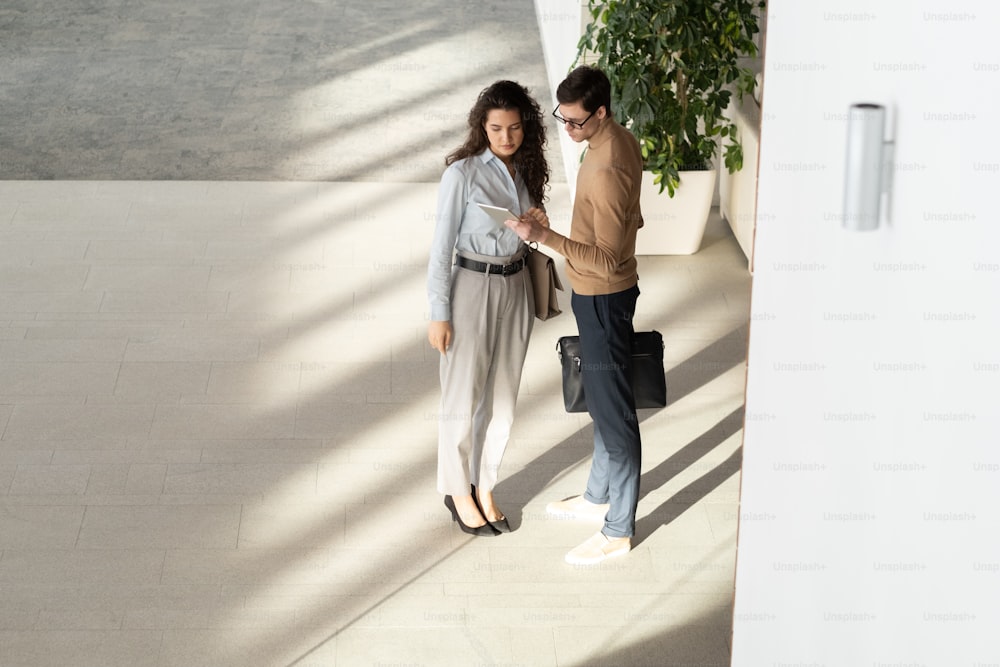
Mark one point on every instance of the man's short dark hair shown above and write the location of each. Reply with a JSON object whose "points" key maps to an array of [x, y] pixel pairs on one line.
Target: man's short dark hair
{"points": [[587, 85]]}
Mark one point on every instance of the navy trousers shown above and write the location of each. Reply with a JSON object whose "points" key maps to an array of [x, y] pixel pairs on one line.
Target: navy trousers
{"points": [[605, 325]]}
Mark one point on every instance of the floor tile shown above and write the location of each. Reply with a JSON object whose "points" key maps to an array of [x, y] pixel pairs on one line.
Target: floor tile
{"points": [[159, 527], [85, 648]]}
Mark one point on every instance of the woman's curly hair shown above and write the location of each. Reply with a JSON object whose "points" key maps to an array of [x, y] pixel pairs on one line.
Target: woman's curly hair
{"points": [[529, 160]]}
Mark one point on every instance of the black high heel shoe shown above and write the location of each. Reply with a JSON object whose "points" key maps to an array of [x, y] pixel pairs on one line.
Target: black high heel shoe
{"points": [[485, 530], [501, 525]]}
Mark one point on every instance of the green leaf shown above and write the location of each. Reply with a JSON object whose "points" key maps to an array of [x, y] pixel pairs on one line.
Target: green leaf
{"points": [[673, 66]]}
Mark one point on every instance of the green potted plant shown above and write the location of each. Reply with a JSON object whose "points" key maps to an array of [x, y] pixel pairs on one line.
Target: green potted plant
{"points": [[674, 66]]}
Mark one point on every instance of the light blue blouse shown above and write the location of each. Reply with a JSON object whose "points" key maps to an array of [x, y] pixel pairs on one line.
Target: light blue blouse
{"points": [[461, 225]]}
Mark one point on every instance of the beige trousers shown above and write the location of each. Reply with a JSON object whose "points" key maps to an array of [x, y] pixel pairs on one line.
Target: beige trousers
{"points": [[492, 317]]}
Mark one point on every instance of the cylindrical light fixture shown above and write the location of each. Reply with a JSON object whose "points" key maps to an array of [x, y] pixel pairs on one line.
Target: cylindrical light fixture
{"points": [[863, 184]]}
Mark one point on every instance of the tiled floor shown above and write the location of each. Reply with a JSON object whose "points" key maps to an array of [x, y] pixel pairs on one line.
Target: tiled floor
{"points": [[218, 444], [217, 402]]}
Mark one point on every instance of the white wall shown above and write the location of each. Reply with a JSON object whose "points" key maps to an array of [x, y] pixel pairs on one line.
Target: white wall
{"points": [[561, 23], [871, 476]]}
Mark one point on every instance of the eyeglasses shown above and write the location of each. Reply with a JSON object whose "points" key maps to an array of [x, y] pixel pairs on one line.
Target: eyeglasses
{"points": [[577, 124]]}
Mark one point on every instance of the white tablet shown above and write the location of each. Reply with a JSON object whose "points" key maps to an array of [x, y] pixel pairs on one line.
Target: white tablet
{"points": [[499, 214]]}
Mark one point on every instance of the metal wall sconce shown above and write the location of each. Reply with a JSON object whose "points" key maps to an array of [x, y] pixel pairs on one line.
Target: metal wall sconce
{"points": [[868, 174]]}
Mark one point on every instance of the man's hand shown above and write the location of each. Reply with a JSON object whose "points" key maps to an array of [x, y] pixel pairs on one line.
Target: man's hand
{"points": [[532, 226], [439, 334]]}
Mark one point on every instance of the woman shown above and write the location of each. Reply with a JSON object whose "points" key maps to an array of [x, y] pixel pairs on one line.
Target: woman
{"points": [[482, 308]]}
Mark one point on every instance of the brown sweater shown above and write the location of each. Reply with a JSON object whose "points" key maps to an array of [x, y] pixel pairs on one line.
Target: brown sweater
{"points": [[600, 250]]}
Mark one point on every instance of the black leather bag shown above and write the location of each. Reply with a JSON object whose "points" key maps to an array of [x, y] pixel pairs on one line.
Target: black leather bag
{"points": [[649, 384]]}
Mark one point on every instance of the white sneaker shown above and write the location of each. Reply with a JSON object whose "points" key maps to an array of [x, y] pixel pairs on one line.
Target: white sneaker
{"points": [[578, 507], [599, 548]]}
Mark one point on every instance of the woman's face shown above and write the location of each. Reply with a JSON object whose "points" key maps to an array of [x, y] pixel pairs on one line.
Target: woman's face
{"points": [[504, 132]]}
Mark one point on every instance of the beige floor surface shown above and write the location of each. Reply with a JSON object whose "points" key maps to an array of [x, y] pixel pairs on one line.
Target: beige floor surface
{"points": [[218, 419]]}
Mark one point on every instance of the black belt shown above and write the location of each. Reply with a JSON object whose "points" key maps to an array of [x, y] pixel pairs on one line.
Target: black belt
{"points": [[483, 267]]}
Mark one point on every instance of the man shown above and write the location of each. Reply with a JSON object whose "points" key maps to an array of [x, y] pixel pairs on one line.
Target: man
{"points": [[601, 266]]}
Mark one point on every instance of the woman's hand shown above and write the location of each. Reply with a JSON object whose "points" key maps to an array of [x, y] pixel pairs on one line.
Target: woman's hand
{"points": [[439, 334]]}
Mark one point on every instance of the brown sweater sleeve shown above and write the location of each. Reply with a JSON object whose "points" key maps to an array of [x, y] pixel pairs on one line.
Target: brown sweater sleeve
{"points": [[600, 253], [602, 227]]}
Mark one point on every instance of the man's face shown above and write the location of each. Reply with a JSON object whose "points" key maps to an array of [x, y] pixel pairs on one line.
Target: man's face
{"points": [[576, 114]]}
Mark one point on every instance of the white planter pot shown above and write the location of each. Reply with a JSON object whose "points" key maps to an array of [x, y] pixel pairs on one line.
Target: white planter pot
{"points": [[675, 226]]}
